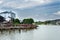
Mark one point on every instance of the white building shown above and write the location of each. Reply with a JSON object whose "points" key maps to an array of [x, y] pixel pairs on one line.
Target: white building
{"points": [[8, 15]]}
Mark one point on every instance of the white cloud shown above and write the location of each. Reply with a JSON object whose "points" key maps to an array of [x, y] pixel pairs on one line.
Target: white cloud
{"points": [[57, 13], [26, 3], [1, 1]]}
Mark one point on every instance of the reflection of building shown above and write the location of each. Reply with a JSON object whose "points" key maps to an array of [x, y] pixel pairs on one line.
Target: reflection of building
{"points": [[8, 15]]}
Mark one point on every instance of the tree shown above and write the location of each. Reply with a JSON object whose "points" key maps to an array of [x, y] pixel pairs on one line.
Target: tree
{"points": [[2, 19], [16, 21], [28, 21]]}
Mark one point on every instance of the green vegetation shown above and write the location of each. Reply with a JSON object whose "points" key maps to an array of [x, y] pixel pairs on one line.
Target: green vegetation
{"points": [[16, 21], [45, 22], [52, 22], [31, 21], [38, 23], [28, 21], [25, 21]]}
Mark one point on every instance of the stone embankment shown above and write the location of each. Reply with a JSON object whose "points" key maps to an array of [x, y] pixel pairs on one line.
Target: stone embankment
{"points": [[19, 26]]}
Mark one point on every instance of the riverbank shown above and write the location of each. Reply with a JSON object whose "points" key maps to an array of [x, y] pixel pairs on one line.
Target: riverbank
{"points": [[19, 26]]}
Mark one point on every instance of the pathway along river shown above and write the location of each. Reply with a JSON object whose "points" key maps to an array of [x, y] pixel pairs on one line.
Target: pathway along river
{"points": [[43, 32]]}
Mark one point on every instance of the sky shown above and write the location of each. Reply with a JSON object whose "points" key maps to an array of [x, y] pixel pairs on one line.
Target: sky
{"points": [[39, 10]]}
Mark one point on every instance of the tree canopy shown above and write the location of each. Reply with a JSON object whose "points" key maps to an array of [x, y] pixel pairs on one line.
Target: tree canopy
{"points": [[28, 21], [16, 21]]}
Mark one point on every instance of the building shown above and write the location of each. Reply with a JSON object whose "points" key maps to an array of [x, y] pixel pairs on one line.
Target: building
{"points": [[8, 15]]}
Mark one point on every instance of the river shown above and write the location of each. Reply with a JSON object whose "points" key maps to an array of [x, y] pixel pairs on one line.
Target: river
{"points": [[43, 32]]}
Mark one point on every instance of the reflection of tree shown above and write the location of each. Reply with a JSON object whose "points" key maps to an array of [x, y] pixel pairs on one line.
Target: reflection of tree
{"points": [[2, 19]]}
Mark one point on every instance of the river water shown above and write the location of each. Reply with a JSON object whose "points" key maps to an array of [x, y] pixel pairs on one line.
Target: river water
{"points": [[43, 32]]}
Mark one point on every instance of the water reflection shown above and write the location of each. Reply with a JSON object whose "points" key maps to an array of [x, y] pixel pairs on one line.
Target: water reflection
{"points": [[16, 34], [43, 32]]}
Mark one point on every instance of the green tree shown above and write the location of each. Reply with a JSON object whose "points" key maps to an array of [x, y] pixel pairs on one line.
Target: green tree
{"points": [[28, 21], [16, 21]]}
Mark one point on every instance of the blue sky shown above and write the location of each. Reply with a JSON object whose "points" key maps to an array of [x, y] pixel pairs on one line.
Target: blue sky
{"points": [[37, 9]]}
